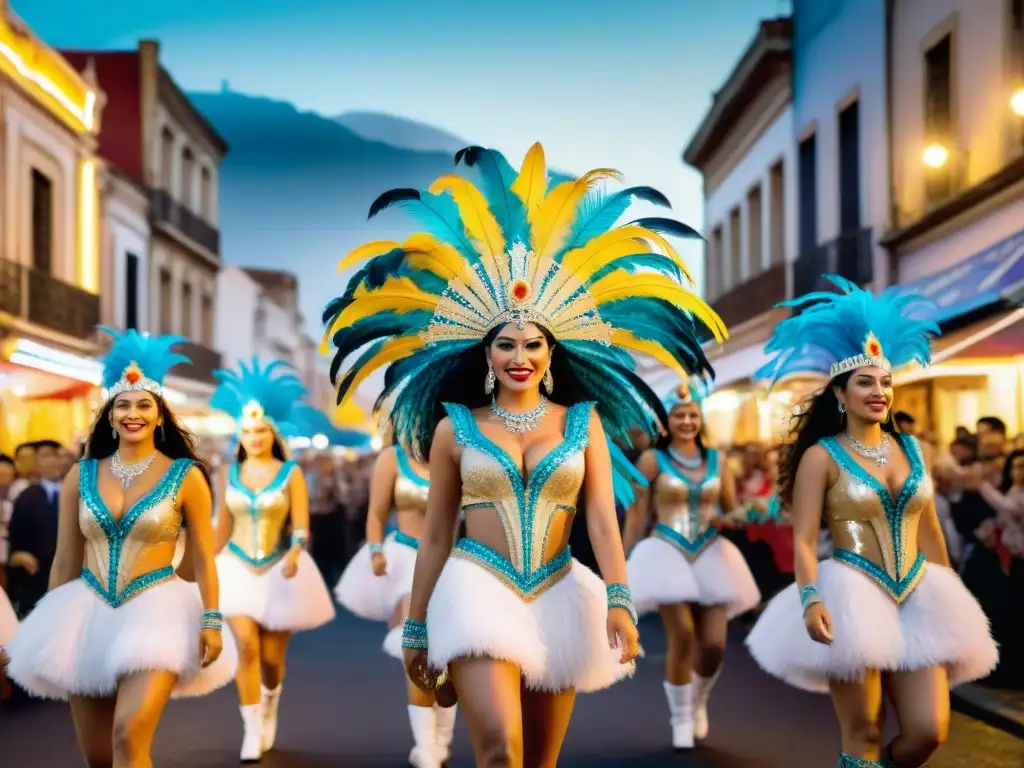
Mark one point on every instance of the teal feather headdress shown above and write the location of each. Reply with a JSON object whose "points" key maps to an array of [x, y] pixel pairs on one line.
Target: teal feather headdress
{"points": [[835, 333], [518, 249], [693, 390], [270, 394], [138, 362]]}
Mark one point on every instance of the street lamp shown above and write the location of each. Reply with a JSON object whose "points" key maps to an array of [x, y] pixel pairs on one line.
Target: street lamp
{"points": [[1017, 102], [935, 156]]}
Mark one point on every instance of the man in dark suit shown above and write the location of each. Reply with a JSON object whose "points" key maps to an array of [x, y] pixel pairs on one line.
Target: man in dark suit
{"points": [[32, 534]]}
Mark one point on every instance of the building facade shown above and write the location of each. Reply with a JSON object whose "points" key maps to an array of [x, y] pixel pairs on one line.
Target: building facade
{"points": [[743, 149], [49, 231], [957, 235], [261, 318], [125, 253]]}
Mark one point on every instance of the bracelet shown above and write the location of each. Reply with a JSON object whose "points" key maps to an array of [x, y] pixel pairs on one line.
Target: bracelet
{"points": [[376, 548], [299, 537], [212, 620], [619, 596], [809, 596], [414, 634]]}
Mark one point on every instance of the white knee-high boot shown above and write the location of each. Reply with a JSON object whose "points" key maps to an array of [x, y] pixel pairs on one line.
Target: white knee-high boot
{"points": [[445, 731], [680, 707], [270, 700], [701, 693], [252, 736], [424, 733]]}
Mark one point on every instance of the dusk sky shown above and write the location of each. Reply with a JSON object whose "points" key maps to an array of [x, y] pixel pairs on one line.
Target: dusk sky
{"points": [[620, 84]]}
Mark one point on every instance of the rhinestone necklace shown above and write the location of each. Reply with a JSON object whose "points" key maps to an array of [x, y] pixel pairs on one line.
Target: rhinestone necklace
{"points": [[686, 462], [521, 423], [879, 455], [128, 473]]}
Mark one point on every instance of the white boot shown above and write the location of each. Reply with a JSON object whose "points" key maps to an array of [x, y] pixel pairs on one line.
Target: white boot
{"points": [[424, 734], [252, 721], [680, 707], [270, 700], [445, 731], [701, 693]]}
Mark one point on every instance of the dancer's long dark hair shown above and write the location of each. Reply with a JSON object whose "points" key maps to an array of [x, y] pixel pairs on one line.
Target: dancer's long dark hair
{"points": [[819, 418], [173, 440], [665, 441]]}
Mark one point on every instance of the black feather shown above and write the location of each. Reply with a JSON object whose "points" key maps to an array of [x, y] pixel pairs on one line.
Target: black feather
{"points": [[668, 227], [391, 197]]}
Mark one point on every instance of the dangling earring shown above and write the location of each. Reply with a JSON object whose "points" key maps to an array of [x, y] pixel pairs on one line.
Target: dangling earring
{"points": [[842, 408], [160, 426], [548, 381], [113, 431], [490, 380]]}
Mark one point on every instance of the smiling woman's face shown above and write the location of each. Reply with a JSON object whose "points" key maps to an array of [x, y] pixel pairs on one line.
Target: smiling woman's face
{"points": [[519, 357], [135, 416], [868, 394]]}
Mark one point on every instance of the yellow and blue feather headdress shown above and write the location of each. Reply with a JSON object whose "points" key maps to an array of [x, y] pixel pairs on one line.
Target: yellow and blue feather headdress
{"points": [[138, 362], [270, 394], [519, 249], [835, 333]]}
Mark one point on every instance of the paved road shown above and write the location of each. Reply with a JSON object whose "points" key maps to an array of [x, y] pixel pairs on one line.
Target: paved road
{"points": [[344, 706]]}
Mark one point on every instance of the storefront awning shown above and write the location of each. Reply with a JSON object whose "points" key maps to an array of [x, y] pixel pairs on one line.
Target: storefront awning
{"points": [[996, 274], [998, 337]]}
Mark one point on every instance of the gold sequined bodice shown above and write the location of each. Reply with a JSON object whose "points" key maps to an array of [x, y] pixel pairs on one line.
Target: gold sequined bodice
{"points": [[410, 493], [124, 557], [258, 518], [683, 507], [873, 531]]}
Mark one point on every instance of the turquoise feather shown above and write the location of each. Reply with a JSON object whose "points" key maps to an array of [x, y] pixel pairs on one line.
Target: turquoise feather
{"points": [[275, 387], [152, 354], [600, 211]]}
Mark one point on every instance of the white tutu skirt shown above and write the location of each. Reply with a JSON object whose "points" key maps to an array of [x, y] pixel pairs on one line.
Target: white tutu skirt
{"points": [[277, 604], [559, 640], [659, 574], [376, 597], [74, 643], [393, 643], [8, 619], [939, 623]]}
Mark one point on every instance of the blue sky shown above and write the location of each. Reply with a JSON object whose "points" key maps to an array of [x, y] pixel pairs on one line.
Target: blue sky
{"points": [[599, 83]]}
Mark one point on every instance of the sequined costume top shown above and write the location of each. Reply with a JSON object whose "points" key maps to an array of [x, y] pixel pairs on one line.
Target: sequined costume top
{"points": [[684, 507], [872, 531], [409, 495], [526, 505], [125, 557], [258, 518]]}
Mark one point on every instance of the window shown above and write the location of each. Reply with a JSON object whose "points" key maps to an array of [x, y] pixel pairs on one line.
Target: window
{"points": [[713, 265], [207, 320], [186, 310], [42, 221], [755, 232], [777, 222], [808, 194], [167, 159], [735, 248], [206, 194], [938, 114], [131, 291], [849, 169], [166, 302], [188, 165]]}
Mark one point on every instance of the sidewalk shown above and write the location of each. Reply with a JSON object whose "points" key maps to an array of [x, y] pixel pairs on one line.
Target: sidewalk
{"points": [[998, 708]]}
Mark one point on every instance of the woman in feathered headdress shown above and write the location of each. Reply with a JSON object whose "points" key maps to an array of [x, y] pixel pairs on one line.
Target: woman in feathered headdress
{"points": [[515, 314], [694, 578], [123, 634], [269, 590], [885, 611]]}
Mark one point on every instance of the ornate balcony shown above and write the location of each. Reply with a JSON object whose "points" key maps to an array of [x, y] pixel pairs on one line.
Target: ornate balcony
{"points": [[167, 213], [850, 255], [204, 362], [39, 297], [753, 297]]}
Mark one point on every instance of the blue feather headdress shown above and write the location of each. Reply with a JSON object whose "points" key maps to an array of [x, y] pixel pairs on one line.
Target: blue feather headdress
{"points": [[270, 395], [518, 249], [138, 362], [836, 333], [693, 390]]}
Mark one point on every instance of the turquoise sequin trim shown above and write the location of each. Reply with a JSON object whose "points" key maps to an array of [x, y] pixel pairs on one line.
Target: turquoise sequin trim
{"points": [[407, 540], [117, 531], [898, 589], [845, 761], [691, 548], [279, 481], [528, 586], [406, 468], [414, 634], [527, 493], [620, 596]]}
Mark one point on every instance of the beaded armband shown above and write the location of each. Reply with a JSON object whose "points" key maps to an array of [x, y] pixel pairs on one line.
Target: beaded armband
{"points": [[619, 596], [376, 548], [212, 620], [414, 634], [809, 596], [299, 537]]}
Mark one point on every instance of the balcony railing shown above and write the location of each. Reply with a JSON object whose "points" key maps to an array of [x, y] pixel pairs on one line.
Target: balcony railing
{"points": [[751, 298], [39, 297], [165, 210], [204, 362], [850, 255]]}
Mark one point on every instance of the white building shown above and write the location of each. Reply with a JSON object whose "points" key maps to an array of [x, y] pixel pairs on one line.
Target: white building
{"points": [[124, 271]]}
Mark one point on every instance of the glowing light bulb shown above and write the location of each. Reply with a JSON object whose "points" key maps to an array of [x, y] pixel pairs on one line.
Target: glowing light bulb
{"points": [[935, 156], [1017, 102]]}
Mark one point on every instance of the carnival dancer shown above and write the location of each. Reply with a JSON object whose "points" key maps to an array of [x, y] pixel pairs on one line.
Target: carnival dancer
{"points": [[123, 634], [518, 309], [696, 579], [377, 583], [885, 611], [268, 591]]}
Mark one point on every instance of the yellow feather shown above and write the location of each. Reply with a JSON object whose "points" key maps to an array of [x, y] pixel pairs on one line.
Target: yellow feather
{"points": [[532, 181], [551, 221], [398, 294], [480, 223], [426, 252], [620, 284], [392, 349], [623, 241], [366, 251], [627, 340]]}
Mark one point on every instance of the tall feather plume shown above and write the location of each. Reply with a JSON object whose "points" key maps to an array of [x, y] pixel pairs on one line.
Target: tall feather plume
{"points": [[497, 178], [153, 355], [601, 211], [275, 387]]}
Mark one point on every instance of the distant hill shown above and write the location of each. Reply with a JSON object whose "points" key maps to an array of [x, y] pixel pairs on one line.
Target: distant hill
{"points": [[401, 132]]}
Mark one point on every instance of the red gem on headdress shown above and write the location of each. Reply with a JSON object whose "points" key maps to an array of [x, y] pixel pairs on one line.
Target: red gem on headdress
{"points": [[132, 377], [520, 291]]}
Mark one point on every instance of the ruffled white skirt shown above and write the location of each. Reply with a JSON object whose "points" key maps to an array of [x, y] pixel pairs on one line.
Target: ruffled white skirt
{"points": [[559, 640], [659, 574], [376, 597], [8, 619], [278, 604], [74, 643], [939, 623]]}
